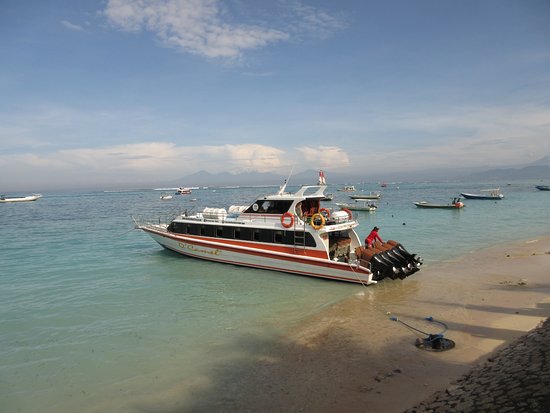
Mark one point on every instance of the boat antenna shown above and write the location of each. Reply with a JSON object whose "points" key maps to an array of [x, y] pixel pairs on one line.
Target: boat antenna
{"points": [[283, 186]]}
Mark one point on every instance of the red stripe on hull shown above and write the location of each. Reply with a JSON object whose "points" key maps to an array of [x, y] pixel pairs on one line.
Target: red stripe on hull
{"points": [[357, 275]]}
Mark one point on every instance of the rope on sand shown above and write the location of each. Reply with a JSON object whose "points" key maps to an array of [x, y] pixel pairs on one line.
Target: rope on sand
{"points": [[432, 342]]}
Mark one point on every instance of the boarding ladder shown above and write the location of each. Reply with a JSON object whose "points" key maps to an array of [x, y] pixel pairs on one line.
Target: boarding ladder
{"points": [[299, 234]]}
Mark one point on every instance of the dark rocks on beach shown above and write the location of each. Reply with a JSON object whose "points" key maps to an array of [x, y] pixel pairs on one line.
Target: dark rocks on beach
{"points": [[515, 379]]}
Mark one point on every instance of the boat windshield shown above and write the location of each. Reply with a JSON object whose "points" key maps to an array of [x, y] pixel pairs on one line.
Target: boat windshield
{"points": [[268, 206]]}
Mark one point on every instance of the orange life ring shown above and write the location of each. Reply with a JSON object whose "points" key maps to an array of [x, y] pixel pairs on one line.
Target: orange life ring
{"points": [[349, 213], [325, 210], [314, 218], [287, 224]]}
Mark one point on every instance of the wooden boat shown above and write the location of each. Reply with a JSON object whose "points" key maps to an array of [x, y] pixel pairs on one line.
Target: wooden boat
{"points": [[359, 205], [455, 204], [34, 197], [543, 187], [286, 232], [371, 195], [494, 194]]}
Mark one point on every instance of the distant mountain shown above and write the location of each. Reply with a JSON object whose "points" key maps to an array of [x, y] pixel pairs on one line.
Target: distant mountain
{"points": [[204, 178], [539, 169], [540, 162], [511, 174]]}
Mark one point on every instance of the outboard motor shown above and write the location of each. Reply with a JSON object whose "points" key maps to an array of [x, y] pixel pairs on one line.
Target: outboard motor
{"points": [[389, 259]]}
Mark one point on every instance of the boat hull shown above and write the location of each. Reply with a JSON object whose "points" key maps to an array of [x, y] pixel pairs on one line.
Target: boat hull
{"points": [[21, 199], [479, 196], [232, 253], [371, 197], [436, 206]]}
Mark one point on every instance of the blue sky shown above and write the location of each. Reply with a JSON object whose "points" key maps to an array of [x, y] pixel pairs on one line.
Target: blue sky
{"points": [[121, 92]]}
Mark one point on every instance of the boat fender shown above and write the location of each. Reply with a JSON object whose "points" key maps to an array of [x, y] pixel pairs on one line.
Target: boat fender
{"points": [[317, 217], [325, 212], [284, 222], [350, 215]]}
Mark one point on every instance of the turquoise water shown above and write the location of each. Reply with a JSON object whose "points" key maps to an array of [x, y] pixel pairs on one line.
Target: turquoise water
{"points": [[97, 317]]}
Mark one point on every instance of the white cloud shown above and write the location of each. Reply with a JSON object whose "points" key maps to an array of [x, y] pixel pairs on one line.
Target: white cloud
{"points": [[194, 26], [72, 26], [150, 161], [325, 156], [308, 20], [474, 136]]}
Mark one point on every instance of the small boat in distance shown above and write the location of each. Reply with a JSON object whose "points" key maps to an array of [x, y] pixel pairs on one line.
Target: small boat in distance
{"points": [[359, 205], [485, 194], [371, 195], [34, 197], [165, 197], [543, 187], [347, 188], [183, 191], [286, 232], [455, 204]]}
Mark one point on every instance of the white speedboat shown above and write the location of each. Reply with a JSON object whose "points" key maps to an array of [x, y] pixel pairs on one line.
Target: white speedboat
{"points": [[165, 197], [28, 198], [288, 232], [183, 191]]}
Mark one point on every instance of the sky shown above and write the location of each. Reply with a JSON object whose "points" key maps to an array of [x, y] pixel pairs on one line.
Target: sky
{"points": [[106, 93]]}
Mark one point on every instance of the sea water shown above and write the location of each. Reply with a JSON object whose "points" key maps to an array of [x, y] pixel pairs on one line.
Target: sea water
{"points": [[97, 317]]}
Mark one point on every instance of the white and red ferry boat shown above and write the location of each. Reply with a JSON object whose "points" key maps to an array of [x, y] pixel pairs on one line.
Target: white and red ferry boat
{"points": [[288, 232]]}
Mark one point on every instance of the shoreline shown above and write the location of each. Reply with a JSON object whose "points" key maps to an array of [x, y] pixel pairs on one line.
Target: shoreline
{"points": [[352, 357]]}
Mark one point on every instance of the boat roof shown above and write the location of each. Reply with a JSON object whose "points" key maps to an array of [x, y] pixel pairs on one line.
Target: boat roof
{"points": [[304, 192]]}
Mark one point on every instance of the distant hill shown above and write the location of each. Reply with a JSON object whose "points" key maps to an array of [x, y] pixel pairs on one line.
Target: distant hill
{"points": [[539, 169]]}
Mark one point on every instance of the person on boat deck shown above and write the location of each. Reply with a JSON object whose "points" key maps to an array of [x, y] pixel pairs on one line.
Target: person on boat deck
{"points": [[373, 236]]}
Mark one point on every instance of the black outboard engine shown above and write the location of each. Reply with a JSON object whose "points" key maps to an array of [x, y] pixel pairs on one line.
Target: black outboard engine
{"points": [[389, 259]]}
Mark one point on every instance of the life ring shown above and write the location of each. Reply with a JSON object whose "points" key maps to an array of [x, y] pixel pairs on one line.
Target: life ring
{"points": [[326, 211], [313, 218], [350, 215], [287, 224]]}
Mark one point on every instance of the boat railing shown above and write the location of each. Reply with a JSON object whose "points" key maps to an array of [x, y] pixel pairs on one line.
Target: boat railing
{"points": [[161, 220]]}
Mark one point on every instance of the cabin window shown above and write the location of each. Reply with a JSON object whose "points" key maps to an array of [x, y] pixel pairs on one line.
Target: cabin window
{"points": [[248, 234], [265, 206]]}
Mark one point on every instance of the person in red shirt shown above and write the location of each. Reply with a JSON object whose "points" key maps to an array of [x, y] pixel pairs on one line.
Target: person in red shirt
{"points": [[373, 236]]}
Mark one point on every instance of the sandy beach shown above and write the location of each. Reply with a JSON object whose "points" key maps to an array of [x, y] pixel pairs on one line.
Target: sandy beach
{"points": [[352, 357]]}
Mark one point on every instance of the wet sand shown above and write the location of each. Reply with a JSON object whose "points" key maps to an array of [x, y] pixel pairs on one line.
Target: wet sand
{"points": [[353, 358]]}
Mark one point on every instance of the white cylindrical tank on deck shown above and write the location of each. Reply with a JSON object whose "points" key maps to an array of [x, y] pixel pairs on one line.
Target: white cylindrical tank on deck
{"points": [[237, 209], [214, 213], [339, 216]]}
